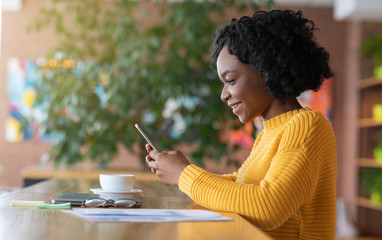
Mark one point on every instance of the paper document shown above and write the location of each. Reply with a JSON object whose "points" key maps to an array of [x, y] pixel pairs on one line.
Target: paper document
{"points": [[145, 215]]}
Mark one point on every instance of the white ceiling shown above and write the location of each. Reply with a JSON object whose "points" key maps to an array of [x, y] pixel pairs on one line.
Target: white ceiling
{"points": [[11, 5], [344, 9]]}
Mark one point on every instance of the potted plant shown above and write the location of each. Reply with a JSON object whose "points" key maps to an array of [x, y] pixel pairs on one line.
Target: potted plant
{"points": [[372, 182], [378, 148], [373, 47], [377, 112], [122, 73]]}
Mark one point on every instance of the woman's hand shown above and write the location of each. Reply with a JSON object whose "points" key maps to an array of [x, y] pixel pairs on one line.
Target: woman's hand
{"points": [[168, 165]]}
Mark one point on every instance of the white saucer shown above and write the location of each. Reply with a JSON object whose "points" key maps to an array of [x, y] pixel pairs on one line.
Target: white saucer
{"points": [[100, 190]]}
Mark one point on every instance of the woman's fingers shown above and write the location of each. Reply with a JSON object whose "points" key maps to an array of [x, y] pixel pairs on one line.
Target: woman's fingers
{"points": [[148, 147], [150, 160], [151, 163], [154, 155]]}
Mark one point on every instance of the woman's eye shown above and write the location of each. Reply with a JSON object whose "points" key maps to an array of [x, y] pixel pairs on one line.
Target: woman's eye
{"points": [[230, 81]]}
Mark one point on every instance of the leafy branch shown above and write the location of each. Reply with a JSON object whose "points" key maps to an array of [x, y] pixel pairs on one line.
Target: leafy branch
{"points": [[125, 72]]}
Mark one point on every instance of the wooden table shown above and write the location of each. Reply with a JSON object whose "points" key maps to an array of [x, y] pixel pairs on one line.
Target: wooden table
{"points": [[31, 223], [33, 175]]}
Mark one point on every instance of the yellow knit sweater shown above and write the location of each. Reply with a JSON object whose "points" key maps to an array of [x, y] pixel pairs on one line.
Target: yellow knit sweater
{"points": [[287, 185]]}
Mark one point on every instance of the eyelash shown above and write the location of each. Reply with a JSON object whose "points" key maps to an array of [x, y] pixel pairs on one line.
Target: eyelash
{"points": [[230, 82]]}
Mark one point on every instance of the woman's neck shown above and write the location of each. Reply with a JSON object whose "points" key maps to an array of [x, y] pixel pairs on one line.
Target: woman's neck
{"points": [[276, 108]]}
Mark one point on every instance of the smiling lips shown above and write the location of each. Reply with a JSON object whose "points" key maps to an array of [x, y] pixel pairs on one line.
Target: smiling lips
{"points": [[235, 107]]}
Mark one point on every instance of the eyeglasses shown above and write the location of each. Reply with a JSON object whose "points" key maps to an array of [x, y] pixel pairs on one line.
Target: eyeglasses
{"points": [[100, 202]]}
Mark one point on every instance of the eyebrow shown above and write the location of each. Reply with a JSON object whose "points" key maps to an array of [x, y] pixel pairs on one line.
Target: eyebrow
{"points": [[226, 72]]}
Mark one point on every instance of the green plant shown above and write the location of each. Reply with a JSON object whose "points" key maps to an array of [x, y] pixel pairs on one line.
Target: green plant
{"points": [[377, 112], [372, 182], [126, 73], [373, 47], [372, 177], [378, 148]]}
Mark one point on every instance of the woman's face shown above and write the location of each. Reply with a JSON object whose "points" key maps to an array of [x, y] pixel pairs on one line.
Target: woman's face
{"points": [[244, 90]]}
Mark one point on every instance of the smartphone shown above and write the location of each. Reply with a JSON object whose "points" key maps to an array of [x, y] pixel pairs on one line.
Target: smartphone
{"points": [[146, 137]]}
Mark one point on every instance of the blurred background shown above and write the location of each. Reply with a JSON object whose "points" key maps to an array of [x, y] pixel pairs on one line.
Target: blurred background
{"points": [[76, 75]]}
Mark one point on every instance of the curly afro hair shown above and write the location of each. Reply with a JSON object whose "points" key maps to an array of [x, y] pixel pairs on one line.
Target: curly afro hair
{"points": [[279, 45]]}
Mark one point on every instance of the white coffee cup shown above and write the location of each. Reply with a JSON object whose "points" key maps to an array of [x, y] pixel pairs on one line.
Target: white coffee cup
{"points": [[117, 182]]}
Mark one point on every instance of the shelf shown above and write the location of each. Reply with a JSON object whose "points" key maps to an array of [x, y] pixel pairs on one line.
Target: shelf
{"points": [[368, 122], [370, 82], [365, 202], [369, 162]]}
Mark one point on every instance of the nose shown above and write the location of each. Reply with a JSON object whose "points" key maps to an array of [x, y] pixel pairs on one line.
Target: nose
{"points": [[225, 95]]}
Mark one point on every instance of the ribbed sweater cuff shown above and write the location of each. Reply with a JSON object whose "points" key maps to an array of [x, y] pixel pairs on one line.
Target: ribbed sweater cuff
{"points": [[187, 178]]}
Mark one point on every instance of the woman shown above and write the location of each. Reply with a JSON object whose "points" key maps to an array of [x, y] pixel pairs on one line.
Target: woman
{"points": [[287, 185]]}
